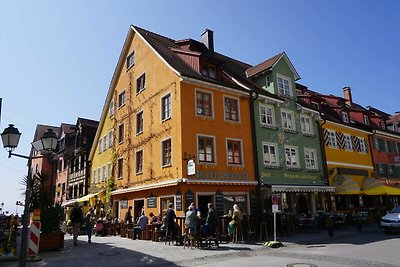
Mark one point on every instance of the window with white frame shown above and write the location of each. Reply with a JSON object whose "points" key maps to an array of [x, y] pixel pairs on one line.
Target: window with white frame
{"points": [[130, 60], [139, 162], [166, 149], [363, 145], [231, 106], [105, 143], [366, 120], [109, 170], [166, 107], [310, 156], [111, 108], [120, 168], [121, 99], [284, 86], [141, 83], [121, 133], [94, 175], [234, 152], [110, 138], [288, 120], [347, 142], [291, 153], [205, 146], [104, 173], [100, 145], [306, 126], [270, 154], [267, 115], [203, 103], [332, 141], [345, 117], [139, 122], [386, 144]]}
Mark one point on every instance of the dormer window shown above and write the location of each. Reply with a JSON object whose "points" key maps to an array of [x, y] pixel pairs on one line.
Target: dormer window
{"points": [[315, 104], [383, 126], [345, 117], [366, 120], [209, 70], [284, 86]]}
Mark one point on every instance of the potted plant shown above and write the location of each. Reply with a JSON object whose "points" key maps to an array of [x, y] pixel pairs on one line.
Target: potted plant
{"points": [[330, 225], [51, 216]]}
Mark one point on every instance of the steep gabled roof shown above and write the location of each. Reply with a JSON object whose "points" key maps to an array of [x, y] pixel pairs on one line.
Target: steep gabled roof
{"points": [[270, 63], [87, 122]]}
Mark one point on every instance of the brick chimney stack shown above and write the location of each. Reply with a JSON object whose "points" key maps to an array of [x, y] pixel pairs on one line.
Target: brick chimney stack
{"points": [[207, 38], [347, 95]]}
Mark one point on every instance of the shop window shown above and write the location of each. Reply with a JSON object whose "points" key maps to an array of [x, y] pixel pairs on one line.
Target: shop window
{"points": [[240, 200], [165, 201]]}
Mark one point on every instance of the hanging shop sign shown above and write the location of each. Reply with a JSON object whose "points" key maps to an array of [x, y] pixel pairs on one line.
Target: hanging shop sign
{"points": [[191, 167]]}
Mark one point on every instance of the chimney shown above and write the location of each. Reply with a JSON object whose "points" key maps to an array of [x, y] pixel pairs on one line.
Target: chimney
{"points": [[347, 95], [207, 38]]}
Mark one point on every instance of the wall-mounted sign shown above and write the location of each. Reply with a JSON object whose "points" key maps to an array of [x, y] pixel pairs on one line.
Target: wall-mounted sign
{"points": [[178, 204], [219, 202], [222, 175], [189, 198], [191, 167], [152, 202], [124, 203]]}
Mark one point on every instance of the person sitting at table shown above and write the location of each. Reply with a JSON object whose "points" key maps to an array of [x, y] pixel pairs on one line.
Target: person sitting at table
{"points": [[99, 227], [153, 218], [142, 223]]}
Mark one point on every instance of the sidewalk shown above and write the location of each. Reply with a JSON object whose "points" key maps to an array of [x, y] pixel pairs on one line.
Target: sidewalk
{"points": [[117, 251]]}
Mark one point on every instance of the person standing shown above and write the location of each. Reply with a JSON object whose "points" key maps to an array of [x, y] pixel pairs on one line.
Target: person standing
{"points": [[90, 222], [170, 221], [76, 217], [128, 215], [212, 221]]}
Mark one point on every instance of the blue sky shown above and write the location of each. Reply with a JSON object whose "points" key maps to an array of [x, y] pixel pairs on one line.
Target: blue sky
{"points": [[57, 57]]}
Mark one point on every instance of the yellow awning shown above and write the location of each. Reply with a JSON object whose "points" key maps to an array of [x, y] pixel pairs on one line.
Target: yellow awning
{"points": [[87, 197], [394, 191], [372, 186], [346, 185]]}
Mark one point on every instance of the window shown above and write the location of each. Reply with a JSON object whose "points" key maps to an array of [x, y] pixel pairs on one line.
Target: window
{"points": [[332, 142], [234, 152], [241, 200], [231, 106], [139, 161], [267, 115], [121, 99], [109, 170], [111, 108], [306, 126], [209, 70], [381, 169], [376, 141], [166, 107], [139, 122], [60, 163], [120, 168], [270, 154], [386, 146], [383, 125], [165, 201], [310, 158], [345, 117], [291, 157], [366, 120], [100, 145], [121, 133], [104, 173], [363, 146], [141, 83], [94, 176], [284, 86], [205, 149], [347, 142], [130, 60], [315, 104], [288, 120], [166, 152], [105, 142], [110, 139], [203, 103]]}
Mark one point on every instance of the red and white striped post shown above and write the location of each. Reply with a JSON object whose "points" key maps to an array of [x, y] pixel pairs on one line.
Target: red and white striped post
{"points": [[34, 238]]}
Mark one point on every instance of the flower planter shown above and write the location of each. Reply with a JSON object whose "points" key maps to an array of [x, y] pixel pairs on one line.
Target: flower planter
{"points": [[51, 241]]}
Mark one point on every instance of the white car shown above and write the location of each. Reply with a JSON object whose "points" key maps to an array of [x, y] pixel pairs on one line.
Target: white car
{"points": [[391, 221]]}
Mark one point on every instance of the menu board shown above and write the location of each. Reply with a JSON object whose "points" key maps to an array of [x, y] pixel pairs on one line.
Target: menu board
{"points": [[219, 202], [178, 201], [124, 204], [152, 202], [189, 198]]}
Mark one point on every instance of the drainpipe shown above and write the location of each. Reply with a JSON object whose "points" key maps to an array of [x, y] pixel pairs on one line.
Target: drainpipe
{"points": [[253, 97], [323, 154]]}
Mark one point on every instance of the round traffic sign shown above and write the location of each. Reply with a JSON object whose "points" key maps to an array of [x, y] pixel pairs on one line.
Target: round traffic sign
{"points": [[275, 199]]}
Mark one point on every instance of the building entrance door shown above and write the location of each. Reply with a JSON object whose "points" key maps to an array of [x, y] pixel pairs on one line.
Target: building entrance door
{"points": [[138, 205], [203, 201]]}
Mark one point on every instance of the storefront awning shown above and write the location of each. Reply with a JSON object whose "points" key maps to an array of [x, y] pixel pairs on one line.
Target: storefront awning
{"points": [[393, 191], [345, 185], [70, 202], [372, 186], [302, 188]]}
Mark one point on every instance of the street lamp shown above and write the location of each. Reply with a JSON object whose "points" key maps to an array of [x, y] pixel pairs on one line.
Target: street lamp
{"points": [[1, 208], [44, 145]]}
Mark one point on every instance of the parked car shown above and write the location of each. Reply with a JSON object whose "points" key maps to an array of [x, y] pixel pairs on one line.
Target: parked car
{"points": [[391, 221]]}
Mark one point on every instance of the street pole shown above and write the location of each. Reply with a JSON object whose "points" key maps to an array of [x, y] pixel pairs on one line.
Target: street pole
{"points": [[24, 239]]}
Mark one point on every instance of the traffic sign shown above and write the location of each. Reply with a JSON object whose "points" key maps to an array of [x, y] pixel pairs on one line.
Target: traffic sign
{"points": [[274, 199]]}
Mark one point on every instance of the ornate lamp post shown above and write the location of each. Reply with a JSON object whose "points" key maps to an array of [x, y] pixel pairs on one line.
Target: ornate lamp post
{"points": [[45, 145], [1, 208]]}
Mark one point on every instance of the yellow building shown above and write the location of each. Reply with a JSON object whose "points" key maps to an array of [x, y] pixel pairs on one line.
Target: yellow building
{"points": [[182, 128]]}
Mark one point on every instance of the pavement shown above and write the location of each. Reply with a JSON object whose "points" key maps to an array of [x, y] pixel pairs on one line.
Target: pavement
{"points": [[117, 251]]}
